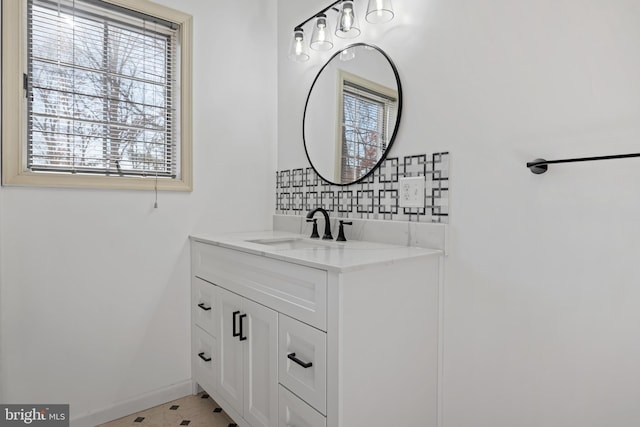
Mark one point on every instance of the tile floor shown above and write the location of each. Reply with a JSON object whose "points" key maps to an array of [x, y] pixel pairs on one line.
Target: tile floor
{"points": [[193, 411]]}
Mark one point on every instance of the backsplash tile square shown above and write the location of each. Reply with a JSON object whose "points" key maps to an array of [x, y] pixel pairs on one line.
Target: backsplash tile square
{"points": [[285, 179], [388, 171], [297, 178], [365, 201], [327, 200], [283, 202], [312, 200], [345, 201], [297, 203], [415, 165], [311, 177], [388, 201], [301, 190]]}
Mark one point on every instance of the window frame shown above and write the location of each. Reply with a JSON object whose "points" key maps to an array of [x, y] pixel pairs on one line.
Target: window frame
{"points": [[14, 120]]}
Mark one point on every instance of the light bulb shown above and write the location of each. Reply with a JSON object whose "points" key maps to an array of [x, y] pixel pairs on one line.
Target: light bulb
{"points": [[321, 38], [297, 49], [347, 26]]}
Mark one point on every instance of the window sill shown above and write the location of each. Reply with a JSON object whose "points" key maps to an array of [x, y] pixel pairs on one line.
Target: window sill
{"points": [[43, 179]]}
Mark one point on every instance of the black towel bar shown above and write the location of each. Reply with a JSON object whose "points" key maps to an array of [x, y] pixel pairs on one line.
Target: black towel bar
{"points": [[539, 166]]}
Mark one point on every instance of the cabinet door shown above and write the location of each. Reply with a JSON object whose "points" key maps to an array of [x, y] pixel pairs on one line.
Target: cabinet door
{"points": [[261, 365], [230, 358]]}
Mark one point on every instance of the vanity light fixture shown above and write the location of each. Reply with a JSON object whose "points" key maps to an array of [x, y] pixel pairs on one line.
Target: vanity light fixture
{"points": [[347, 27], [378, 11], [321, 38], [298, 49]]}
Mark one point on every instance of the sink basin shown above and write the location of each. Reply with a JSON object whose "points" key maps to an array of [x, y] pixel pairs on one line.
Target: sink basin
{"points": [[293, 243]]}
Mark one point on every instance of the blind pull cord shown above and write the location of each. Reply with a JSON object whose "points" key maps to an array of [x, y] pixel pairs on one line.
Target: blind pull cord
{"points": [[155, 204]]}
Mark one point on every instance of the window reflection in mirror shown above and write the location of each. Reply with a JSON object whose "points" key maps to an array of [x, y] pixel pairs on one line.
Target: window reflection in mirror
{"points": [[367, 113]]}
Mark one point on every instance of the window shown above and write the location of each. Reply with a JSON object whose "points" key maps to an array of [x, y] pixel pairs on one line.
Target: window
{"points": [[105, 95], [367, 114]]}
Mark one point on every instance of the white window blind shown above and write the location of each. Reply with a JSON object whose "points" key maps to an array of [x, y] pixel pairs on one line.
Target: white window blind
{"points": [[366, 122], [101, 90]]}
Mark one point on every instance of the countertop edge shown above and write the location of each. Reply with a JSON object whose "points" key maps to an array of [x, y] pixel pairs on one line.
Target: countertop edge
{"points": [[237, 241]]}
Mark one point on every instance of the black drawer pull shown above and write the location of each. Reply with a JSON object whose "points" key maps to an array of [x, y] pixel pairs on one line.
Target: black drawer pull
{"points": [[305, 365], [203, 357], [242, 338], [235, 313], [204, 307]]}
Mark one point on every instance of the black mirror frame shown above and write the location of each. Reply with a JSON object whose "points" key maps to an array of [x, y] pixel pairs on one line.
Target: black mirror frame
{"points": [[395, 129]]}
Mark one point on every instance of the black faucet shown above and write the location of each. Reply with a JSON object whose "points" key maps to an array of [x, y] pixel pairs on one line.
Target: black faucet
{"points": [[327, 224]]}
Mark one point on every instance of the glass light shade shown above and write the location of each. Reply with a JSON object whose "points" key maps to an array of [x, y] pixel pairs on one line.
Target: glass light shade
{"points": [[347, 55], [297, 49], [347, 27], [379, 11], [321, 37]]}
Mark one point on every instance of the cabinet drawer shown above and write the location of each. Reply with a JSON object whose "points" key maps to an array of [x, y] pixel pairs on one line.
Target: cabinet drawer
{"points": [[295, 290], [204, 306], [302, 361], [293, 412], [203, 358]]}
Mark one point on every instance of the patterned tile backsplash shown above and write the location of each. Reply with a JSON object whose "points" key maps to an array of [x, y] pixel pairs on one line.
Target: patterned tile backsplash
{"points": [[301, 190]]}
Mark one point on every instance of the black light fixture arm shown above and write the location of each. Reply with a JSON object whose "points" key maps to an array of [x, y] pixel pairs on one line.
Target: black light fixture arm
{"points": [[539, 166], [300, 25]]}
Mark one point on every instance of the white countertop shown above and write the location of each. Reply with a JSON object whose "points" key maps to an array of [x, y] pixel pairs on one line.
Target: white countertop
{"points": [[329, 255]]}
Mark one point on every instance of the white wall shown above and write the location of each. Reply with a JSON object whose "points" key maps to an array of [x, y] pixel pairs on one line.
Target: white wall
{"points": [[543, 284], [94, 285]]}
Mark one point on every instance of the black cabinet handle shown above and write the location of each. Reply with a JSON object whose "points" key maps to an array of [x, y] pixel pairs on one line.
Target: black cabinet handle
{"points": [[235, 334], [204, 307], [242, 338], [203, 357], [305, 365]]}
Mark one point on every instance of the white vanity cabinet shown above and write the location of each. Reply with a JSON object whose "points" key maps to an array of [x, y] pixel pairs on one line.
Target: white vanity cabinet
{"points": [[316, 338]]}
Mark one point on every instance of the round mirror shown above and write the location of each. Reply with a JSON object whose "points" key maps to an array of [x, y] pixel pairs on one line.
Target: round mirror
{"points": [[352, 114]]}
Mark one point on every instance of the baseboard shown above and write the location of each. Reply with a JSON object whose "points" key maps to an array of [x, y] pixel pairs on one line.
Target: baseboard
{"points": [[136, 404]]}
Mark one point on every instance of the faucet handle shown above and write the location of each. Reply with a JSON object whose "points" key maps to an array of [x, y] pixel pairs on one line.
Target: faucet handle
{"points": [[314, 232], [341, 237]]}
